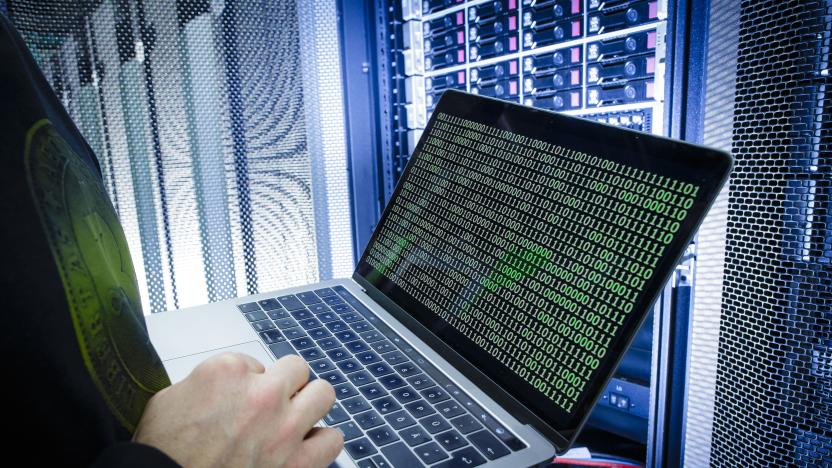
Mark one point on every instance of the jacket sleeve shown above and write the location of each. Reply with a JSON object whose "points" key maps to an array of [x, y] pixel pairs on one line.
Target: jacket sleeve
{"points": [[132, 454]]}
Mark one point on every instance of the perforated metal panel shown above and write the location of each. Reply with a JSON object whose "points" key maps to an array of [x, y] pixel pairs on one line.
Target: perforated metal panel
{"points": [[723, 27], [773, 398], [219, 128]]}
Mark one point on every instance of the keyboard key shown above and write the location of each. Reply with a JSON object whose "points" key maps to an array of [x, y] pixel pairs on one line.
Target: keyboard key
{"points": [[392, 381], [321, 366], [286, 323], [466, 424], [405, 394], [333, 300], [485, 418], [319, 308], [248, 307], [342, 308], [328, 343], [255, 316], [367, 463], [337, 326], [435, 395], [461, 397], [327, 317], [360, 378], [379, 462], [431, 453], [488, 445], [311, 354], [271, 336], [382, 435], [414, 435], [279, 314], [357, 346], [294, 333], [368, 420], [269, 304], [399, 420], [346, 336], [372, 391], [333, 377], [361, 326], [302, 314], [324, 292], [310, 323], [338, 354], [379, 369], [318, 333], [419, 408], [367, 358], [396, 357], [420, 381], [400, 455], [382, 347], [450, 409], [263, 325], [281, 349], [435, 423], [349, 365], [342, 291], [350, 430], [290, 302], [451, 440], [386, 405], [336, 415], [303, 343], [356, 404], [308, 298], [360, 448], [350, 317], [344, 391], [406, 369], [463, 458]]}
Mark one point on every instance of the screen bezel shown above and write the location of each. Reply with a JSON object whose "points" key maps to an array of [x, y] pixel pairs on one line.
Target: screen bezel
{"points": [[711, 166]]}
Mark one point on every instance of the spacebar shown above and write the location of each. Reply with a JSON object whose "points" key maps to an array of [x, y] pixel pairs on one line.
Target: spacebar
{"points": [[282, 349], [400, 455]]}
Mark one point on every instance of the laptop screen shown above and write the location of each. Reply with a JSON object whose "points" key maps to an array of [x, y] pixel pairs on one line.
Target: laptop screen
{"points": [[534, 244]]}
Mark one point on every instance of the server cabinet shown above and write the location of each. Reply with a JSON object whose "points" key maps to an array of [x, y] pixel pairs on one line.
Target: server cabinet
{"points": [[609, 61]]}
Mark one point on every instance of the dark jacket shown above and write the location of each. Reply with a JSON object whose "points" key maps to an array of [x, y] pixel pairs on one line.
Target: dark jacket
{"points": [[78, 367]]}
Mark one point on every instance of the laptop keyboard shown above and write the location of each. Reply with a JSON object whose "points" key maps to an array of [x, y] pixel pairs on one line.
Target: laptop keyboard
{"points": [[393, 407]]}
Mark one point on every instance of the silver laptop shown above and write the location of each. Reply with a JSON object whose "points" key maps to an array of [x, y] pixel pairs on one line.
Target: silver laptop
{"points": [[518, 256]]}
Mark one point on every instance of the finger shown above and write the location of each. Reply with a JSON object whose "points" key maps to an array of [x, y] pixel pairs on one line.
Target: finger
{"points": [[320, 447], [252, 364], [291, 372], [313, 402]]}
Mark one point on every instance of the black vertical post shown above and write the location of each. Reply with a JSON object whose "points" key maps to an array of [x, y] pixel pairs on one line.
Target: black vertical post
{"points": [[362, 60], [685, 87]]}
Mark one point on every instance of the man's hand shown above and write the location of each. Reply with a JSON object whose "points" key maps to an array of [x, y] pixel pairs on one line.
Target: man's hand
{"points": [[231, 411]]}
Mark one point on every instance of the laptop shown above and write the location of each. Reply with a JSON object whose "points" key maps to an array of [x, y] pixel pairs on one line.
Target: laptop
{"points": [[511, 268]]}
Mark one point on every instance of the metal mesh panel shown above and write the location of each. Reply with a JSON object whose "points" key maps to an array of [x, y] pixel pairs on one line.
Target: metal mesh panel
{"points": [[773, 401], [710, 244], [205, 116]]}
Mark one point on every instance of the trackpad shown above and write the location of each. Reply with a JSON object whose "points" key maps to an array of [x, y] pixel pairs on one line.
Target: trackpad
{"points": [[179, 368]]}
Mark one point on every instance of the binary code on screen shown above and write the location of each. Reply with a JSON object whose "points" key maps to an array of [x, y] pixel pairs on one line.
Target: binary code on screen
{"points": [[535, 252]]}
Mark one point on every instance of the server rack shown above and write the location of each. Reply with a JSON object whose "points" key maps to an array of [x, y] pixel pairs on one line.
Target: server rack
{"points": [[611, 61]]}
